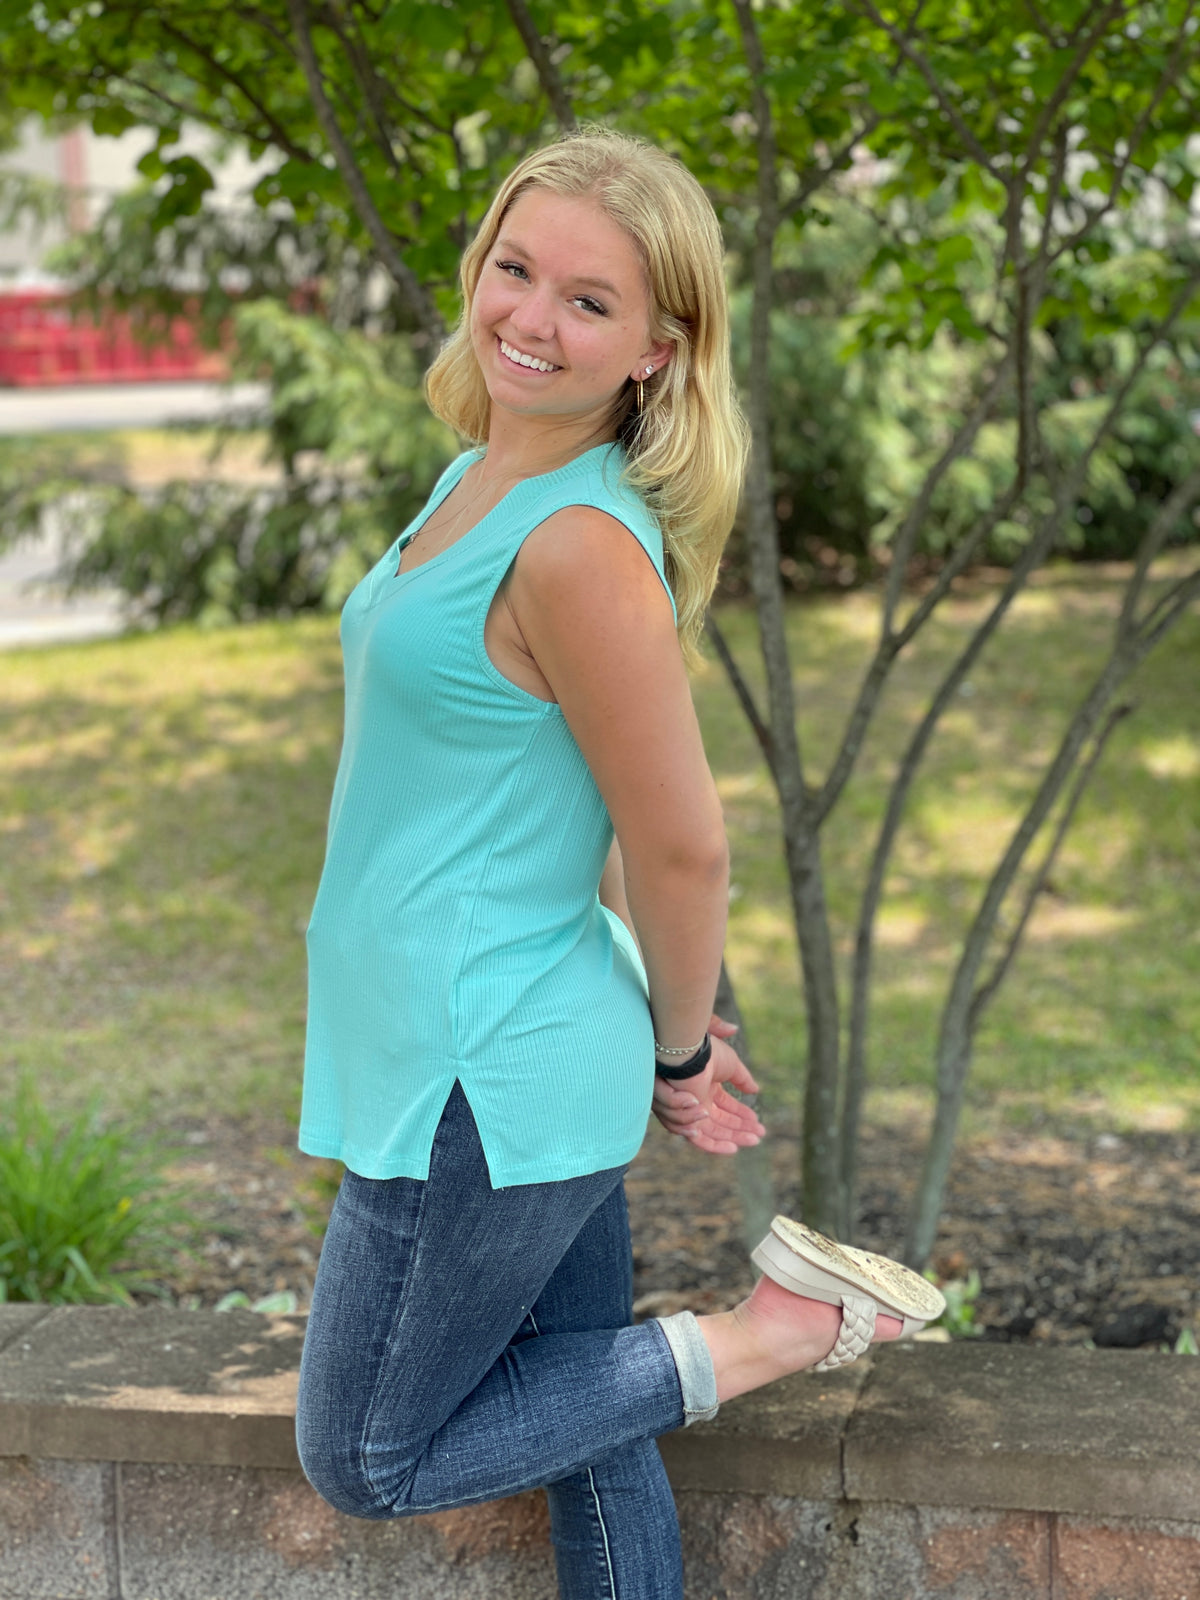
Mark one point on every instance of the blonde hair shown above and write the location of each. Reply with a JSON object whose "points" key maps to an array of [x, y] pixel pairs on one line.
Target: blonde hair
{"points": [[686, 452]]}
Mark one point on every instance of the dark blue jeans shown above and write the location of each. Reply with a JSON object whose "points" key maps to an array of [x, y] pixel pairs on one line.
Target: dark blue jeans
{"points": [[466, 1343]]}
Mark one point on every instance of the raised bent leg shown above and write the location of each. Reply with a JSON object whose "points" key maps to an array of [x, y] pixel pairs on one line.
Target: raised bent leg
{"points": [[413, 1395]]}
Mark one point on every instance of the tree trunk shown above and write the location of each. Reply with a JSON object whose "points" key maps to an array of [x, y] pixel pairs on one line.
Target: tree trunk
{"points": [[756, 1187], [964, 1004], [820, 1151]]}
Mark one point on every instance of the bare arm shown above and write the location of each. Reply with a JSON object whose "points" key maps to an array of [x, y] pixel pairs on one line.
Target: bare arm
{"points": [[597, 621]]}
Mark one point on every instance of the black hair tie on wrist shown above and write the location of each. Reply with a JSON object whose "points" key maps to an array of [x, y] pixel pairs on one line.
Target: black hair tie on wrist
{"points": [[691, 1068]]}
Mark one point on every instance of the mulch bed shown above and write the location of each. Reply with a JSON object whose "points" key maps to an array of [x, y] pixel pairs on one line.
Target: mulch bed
{"points": [[1075, 1238]]}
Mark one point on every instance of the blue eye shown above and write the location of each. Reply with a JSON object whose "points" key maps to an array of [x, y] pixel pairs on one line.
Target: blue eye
{"points": [[515, 267]]}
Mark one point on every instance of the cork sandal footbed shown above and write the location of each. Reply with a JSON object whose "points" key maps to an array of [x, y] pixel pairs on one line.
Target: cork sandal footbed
{"points": [[861, 1282]]}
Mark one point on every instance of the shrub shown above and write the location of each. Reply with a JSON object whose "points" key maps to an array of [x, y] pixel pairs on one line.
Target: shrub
{"points": [[85, 1214], [959, 1316], [357, 453]]}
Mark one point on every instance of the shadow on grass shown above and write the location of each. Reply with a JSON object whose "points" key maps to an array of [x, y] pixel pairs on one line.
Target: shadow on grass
{"points": [[167, 795], [1101, 997]]}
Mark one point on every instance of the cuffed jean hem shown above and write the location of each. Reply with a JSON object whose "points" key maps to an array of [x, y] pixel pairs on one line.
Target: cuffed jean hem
{"points": [[697, 1380]]}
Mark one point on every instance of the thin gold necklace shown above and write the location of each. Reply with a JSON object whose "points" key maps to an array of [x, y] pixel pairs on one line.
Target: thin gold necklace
{"points": [[462, 514]]}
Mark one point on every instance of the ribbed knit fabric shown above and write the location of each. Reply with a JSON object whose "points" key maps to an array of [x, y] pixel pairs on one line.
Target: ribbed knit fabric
{"points": [[457, 931]]}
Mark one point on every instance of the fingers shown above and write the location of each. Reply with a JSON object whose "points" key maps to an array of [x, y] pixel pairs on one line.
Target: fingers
{"points": [[675, 1106], [728, 1067], [721, 1129], [741, 1078], [701, 1111], [721, 1146], [732, 1126], [727, 1122], [675, 1124]]}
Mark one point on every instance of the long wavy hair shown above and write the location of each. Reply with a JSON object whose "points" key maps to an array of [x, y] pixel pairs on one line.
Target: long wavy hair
{"points": [[686, 451]]}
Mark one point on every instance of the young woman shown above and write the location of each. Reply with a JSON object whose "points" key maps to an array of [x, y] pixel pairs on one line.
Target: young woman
{"points": [[499, 994]]}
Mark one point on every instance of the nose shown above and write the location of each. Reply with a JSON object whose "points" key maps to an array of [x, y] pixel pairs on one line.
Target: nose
{"points": [[533, 316]]}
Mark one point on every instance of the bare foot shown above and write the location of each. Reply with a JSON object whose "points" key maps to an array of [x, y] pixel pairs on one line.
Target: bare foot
{"points": [[774, 1332]]}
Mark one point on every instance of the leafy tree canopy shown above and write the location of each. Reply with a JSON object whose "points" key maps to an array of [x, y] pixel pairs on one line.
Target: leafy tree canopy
{"points": [[392, 122]]}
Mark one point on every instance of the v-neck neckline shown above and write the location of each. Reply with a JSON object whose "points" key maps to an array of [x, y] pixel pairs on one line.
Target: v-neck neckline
{"points": [[395, 576], [411, 532]]}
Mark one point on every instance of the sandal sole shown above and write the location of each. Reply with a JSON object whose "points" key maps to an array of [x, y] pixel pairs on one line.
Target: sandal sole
{"points": [[810, 1264]]}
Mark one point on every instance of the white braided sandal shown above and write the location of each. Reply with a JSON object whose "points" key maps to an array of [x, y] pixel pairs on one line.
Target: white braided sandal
{"points": [[863, 1284]]}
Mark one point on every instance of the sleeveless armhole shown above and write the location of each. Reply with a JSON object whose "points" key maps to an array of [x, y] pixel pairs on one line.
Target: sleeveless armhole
{"points": [[486, 662]]}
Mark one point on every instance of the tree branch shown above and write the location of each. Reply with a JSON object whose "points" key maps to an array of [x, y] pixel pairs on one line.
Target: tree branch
{"points": [[280, 136], [193, 113], [960, 442], [892, 642], [964, 553], [1168, 608], [1093, 214], [1115, 670], [268, 24], [421, 306], [743, 691], [911, 54], [1040, 21], [957, 1030], [820, 1175], [914, 754], [1031, 286], [762, 527], [986, 990], [1155, 536], [816, 177], [1066, 82], [367, 80], [548, 74]]}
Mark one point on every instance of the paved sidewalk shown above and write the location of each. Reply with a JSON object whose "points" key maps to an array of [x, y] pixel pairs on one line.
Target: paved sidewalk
{"points": [[97, 407], [31, 612]]}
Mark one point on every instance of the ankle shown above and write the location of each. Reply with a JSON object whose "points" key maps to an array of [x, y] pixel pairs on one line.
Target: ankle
{"points": [[770, 1334], [774, 1332]]}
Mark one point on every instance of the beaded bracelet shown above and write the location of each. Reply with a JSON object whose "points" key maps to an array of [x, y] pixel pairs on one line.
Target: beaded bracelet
{"points": [[688, 1050], [691, 1068]]}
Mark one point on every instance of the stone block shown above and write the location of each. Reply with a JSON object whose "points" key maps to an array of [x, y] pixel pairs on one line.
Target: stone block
{"points": [[56, 1530], [218, 1533], [17, 1320], [785, 1439], [942, 1553], [103, 1383], [1126, 1561], [1096, 1432], [755, 1547]]}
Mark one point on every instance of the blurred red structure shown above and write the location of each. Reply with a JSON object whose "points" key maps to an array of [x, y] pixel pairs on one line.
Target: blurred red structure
{"points": [[42, 344]]}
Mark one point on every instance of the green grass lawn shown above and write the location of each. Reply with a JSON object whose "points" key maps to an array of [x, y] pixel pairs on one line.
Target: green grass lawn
{"points": [[163, 807]]}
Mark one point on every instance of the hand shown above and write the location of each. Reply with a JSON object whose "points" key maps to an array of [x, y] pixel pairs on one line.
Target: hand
{"points": [[700, 1110]]}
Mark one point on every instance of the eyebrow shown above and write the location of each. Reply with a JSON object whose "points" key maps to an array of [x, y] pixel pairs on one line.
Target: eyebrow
{"points": [[592, 283]]}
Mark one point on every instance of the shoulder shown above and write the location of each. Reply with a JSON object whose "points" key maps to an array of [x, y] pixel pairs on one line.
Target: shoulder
{"points": [[582, 556]]}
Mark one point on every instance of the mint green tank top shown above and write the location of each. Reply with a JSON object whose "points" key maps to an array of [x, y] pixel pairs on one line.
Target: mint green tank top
{"points": [[457, 931]]}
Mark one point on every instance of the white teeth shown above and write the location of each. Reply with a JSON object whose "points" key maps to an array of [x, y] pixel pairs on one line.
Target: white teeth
{"points": [[523, 360]]}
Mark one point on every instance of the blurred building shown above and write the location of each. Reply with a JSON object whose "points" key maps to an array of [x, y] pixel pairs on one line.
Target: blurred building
{"points": [[41, 343]]}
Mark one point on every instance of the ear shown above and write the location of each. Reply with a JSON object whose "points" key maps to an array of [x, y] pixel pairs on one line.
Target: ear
{"points": [[656, 356]]}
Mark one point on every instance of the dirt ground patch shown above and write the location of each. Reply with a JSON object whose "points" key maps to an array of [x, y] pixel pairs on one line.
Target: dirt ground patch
{"points": [[1075, 1238]]}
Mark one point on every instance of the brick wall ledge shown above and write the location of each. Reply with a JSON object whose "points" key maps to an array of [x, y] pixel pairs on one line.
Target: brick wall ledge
{"points": [[991, 1453]]}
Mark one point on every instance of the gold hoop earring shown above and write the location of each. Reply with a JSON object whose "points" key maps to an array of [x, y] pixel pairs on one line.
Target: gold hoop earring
{"points": [[640, 387]]}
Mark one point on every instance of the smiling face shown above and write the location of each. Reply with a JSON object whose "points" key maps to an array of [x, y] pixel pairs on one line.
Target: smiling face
{"points": [[561, 312]]}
